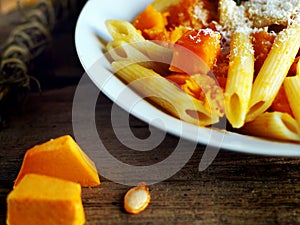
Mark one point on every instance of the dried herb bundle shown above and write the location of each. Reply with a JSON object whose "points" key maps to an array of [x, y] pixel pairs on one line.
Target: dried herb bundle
{"points": [[28, 40]]}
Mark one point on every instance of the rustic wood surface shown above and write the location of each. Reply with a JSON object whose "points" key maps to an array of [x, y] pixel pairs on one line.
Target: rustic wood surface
{"points": [[235, 189]]}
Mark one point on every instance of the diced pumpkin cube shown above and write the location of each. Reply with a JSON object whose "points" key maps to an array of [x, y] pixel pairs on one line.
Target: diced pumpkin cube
{"points": [[40, 199], [62, 158], [196, 51], [150, 19]]}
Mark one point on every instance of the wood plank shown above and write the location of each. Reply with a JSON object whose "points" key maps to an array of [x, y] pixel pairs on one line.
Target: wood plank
{"points": [[236, 187]]}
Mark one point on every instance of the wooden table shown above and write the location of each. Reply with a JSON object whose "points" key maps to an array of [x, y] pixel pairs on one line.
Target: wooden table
{"points": [[235, 189]]}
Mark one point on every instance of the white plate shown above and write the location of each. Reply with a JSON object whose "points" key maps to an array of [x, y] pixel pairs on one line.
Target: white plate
{"points": [[90, 26]]}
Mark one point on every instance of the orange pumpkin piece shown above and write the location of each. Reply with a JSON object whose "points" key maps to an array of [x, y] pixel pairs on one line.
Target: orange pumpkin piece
{"points": [[293, 69], [149, 18], [281, 103], [186, 83], [262, 42], [62, 158], [193, 13], [150, 22], [196, 51], [40, 199]]}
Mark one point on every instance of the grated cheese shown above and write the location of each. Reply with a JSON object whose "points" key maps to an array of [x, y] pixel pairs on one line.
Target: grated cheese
{"points": [[206, 32], [254, 15], [267, 12], [200, 13]]}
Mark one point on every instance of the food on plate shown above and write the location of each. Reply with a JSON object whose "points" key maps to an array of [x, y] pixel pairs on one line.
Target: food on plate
{"points": [[215, 59], [40, 199], [292, 87], [281, 126], [62, 158], [163, 93], [274, 70], [137, 199], [239, 78], [205, 43]]}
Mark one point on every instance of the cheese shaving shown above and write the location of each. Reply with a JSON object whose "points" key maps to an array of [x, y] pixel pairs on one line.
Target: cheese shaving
{"points": [[255, 15]]}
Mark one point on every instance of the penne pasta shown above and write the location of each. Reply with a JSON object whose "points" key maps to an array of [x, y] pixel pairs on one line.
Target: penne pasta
{"points": [[274, 125], [125, 31], [213, 93], [274, 70], [162, 92], [250, 78], [292, 90], [120, 50], [240, 78]]}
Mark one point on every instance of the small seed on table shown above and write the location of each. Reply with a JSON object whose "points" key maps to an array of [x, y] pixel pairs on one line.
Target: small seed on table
{"points": [[137, 199]]}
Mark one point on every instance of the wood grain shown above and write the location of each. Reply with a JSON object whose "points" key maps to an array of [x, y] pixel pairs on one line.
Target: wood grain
{"points": [[235, 189]]}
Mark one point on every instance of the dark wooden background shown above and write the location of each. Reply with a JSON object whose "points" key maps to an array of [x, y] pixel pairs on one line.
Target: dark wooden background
{"points": [[235, 189]]}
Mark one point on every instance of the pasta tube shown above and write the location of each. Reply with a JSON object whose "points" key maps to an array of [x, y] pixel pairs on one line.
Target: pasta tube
{"points": [[240, 78], [213, 93], [274, 70], [120, 50], [125, 31], [292, 90], [276, 125], [162, 92]]}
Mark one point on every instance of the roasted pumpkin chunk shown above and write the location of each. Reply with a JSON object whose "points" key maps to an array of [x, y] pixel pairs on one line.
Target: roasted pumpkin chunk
{"points": [[62, 158], [40, 199], [196, 51]]}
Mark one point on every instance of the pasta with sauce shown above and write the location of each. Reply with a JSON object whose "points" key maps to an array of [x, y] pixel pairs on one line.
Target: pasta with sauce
{"points": [[202, 60]]}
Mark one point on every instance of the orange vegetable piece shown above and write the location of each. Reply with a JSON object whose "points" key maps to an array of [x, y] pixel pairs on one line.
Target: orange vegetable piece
{"points": [[150, 21], [61, 158], [262, 43], [152, 24], [186, 83], [40, 199], [196, 51], [220, 69], [184, 14], [293, 69], [281, 103]]}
